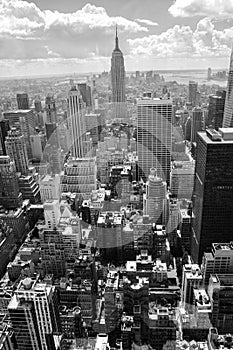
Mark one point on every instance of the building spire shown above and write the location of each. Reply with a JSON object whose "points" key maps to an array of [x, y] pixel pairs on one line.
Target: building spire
{"points": [[116, 40]]}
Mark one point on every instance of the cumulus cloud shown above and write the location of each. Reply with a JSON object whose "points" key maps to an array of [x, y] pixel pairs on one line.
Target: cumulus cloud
{"points": [[52, 33], [206, 8], [182, 41], [147, 22]]}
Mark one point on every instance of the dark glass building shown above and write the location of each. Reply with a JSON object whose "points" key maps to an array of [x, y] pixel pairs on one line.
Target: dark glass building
{"points": [[4, 128], [10, 196], [22, 101], [216, 109], [85, 91], [213, 191]]}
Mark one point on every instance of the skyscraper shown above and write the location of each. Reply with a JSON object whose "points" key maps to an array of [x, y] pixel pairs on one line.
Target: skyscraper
{"points": [[4, 128], [228, 110], [22, 101], [85, 91], [216, 109], [23, 319], [40, 312], [197, 122], [25, 122], [10, 196], [49, 187], [79, 176], [16, 150], [118, 81], [213, 191], [51, 111], [193, 93], [154, 197], [76, 112], [154, 137], [51, 130]]}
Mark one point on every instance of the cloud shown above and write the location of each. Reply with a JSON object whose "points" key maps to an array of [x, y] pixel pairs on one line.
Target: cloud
{"points": [[204, 8], [27, 31], [182, 41], [147, 22]]}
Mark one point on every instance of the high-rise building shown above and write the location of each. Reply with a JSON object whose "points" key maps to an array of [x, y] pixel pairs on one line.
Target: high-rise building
{"points": [[23, 319], [216, 109], [51, 110], [219, 260], [76, 112], [182, 179], [85, 91], [50, 187], [22, 101], [10, 196], [29, 188], [79, 176], [36, 146], [38, 105], [7, 337], [42, 314], [193, 93], [220, 291], [154, 137], [4, 128], [213, 190], [25, 122], [52, 213], [118, 82], [51, 130], [228, 110], [185, 228], [197, 122], [154, 197], [191, 279], [94, 125], [16, 149], [52, 252]]}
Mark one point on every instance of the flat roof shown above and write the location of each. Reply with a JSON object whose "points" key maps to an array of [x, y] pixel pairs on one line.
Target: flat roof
{"points": [[154, 101], [208, 140], [17, 111]]}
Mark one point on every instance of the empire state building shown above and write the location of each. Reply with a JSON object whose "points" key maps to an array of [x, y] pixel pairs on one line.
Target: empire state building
{"points": [[118, 82]]}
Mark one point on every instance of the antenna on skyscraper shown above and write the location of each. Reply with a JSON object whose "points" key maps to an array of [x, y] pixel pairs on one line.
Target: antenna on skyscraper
{"points": [[116, 40]]}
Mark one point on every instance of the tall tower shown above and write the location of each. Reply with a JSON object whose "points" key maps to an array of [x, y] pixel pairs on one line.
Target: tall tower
{"points": [[22, 101], [118, 81], [216, 109], [10, 196], [197, 122], [23, 319], [16, 149], [51, 110], [213, 191], [228, 110], [193, 93], [155, 197], [41, 319], [76, 112], [23, 120], [154, 135], [4, 128]]}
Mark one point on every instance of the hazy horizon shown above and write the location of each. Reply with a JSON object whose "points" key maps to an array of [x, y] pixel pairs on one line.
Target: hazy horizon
{"points": [[53, 37]]}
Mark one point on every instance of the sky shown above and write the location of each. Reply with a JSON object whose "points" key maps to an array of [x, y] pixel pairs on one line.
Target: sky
{"points": [[44, 37]]}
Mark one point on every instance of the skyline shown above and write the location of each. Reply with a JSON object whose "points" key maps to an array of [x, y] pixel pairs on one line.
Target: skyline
{"points": [[77, 37]]}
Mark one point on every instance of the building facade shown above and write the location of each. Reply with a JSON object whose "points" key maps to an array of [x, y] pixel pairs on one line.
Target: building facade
{"points": [[228, 110], [76, 112], [154, 137], [16, 149], [213, 191]]}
